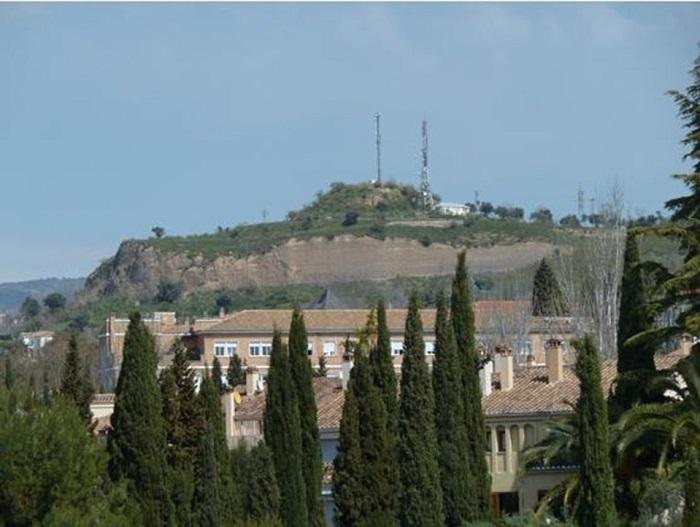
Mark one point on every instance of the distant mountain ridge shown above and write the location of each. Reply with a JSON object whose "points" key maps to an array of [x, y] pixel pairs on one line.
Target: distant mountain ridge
{"points": [[12, 294]]}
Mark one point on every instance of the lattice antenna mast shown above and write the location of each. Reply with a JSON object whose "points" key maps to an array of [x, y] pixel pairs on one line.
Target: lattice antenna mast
{"points": [[581, 201], [379, 150], [426, 195]]}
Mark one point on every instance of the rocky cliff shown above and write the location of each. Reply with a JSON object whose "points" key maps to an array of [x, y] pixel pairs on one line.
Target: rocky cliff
{"points": [[138, 268]]}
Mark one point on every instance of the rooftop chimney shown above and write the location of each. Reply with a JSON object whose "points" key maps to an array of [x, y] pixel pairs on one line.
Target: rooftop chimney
{"points": [[252, 381], [554, 357], [503, 365], [485, 375]]}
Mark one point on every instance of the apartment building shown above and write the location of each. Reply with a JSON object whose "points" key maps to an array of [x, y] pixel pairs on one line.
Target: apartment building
{"points": [[248, 334]]}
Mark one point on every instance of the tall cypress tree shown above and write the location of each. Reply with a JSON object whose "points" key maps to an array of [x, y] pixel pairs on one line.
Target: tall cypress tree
{"points": [[137, 443], [479, 479], [217, 376], [302, 377], [74, 385], [262, 491], [450, 420], [547, 299], [596, 508], [635, 359], [348, 491], [234, 373], [217, 499], [283, 436], [382, 365], [420, 501]]}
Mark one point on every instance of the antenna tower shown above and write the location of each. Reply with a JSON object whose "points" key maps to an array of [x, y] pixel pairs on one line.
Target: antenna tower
{"points": [[379, 150], [581, 202], [426, 195]]}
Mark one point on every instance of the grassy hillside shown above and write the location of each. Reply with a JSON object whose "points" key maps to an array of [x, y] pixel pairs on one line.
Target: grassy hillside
{"points": [[360, 210]]}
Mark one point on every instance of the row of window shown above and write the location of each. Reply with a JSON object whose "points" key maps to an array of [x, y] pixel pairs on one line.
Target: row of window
{"points": [[263, 349]]}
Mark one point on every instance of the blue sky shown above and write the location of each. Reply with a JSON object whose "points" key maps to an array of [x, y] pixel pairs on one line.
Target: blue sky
{"points": [[118, 117]]}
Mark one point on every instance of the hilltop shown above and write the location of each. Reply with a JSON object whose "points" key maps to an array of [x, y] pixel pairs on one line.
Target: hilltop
{"points": [[12, 294], [349, 233]]}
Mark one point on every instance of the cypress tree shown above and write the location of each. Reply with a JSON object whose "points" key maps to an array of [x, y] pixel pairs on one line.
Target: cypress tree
{"points": [[382, 365], [420, 496], [262, 491], [218, 376], [86, 393], [450, 420], [348, 492], [216, 498], [71, 380], [478, 479], [302, 377], [9, 373], [635, 360], [547, 299], [596, 508], [283, 436], [46, 389], [137, 443], [234, 373]]}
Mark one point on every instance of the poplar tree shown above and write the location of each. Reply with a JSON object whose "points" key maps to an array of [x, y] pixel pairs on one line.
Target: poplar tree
{"points": [[217, 501], [450, 420], [420, 500], [262, 491], [635, 358], [302, 377], [137, 443], [596, 507], [547, 299], [218, 376], [235, 374], [283, 436], [382, 365], [478, 477]]}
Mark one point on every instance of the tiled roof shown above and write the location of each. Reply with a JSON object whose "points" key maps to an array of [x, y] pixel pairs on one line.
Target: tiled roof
{"points": [[532, 394], [329, 404], [350, 320], [103, 398]]}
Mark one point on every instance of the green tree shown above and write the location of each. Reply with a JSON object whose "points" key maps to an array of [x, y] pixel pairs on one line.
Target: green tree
{"points": [[9, 374], [52, 468], [478, 478], [348, 492], [382, 365], [635, 358], [217, 376], [217, 500], [76, 384], [597, 507], [262, 491], [449, 419], [283, 436], [547, 299], [322, 370], [234, 373], [302, 378], [55, 302], [137, 443], [420, 496], [30, 308], [168, 292]]}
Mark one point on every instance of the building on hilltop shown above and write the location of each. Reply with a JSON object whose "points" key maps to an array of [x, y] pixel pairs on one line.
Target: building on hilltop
{"points": [[248, 334], [35, 340]]}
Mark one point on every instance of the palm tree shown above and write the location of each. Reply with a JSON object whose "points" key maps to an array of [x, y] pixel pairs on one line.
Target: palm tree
{"points": [[676, 422]]}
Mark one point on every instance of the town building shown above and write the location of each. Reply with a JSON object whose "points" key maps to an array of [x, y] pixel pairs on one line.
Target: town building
{"points": [[35, 340], [248, 334]]}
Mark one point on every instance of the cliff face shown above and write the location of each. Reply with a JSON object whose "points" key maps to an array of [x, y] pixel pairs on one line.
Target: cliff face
{"points": [[137, 268]]}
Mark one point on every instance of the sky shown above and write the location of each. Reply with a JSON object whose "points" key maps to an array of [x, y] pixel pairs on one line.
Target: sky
{"points": [[118, 117]]}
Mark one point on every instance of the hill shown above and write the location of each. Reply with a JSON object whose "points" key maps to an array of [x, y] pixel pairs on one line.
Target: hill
{"points": [[12, 294], [351, 233]]}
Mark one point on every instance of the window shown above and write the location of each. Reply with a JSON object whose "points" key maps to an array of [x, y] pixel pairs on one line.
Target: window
{"points": [[310, 348], [225, 349], [396, 348], [260, 349], [488, 440], [429, 347], [501, 439], [329, 348]]}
